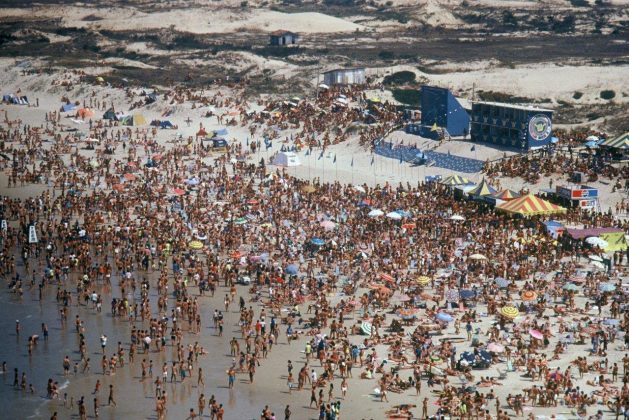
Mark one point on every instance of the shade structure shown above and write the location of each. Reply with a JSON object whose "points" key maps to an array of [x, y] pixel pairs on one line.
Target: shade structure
{"points": [[509, 311], [530, 205], [394, 215], [327, 225], [495, 348], [375, 213], [502, 283], [536, 334], [457, 217], [529, 295], [195, 245], [442, 316], [292, 269], [482, 189], [620, 142], [308, 189], [606, 287], [454, 180], [423, 280], [506, 195], [571, 287], [477, 257]]}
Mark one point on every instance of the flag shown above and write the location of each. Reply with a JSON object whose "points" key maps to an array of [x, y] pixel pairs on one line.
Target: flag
{"points": [[352, 164], [334, 158], [434, 127], [473, 148], [247, 141], [372, 159], [307, 152], [321, 155], [400, 158]]}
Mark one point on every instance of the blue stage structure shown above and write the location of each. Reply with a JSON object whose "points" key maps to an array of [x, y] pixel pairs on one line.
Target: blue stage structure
{"points": [[441, 110], [512, 126]]}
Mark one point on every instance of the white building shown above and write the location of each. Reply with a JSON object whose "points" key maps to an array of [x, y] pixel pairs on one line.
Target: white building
{"points": [[355, 76]]}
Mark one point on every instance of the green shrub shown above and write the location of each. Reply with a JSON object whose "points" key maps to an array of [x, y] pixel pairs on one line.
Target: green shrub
{"points": [[608, 94], [577, 95], [407, 96], [399, 78], [386, 55]]}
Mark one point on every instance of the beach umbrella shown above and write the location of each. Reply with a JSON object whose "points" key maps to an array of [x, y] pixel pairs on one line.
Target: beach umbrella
{"points": [[407, 313], [495, 348], [308, 189], [118, 187], [193, 181], [404, 298], [404, 213], [452, 295], [292, 269], [536, 334], [423, 280], [327, 225], [359, 189], [457, 217], [241, 221], [529, 295], [467, 294], [317, 241], [366, 328], [375, 213], [129, 177], [509, 311], [502, 283], [409, 226], [147, 340], [595, 258], [477, 257], [596, 241], [606, 287], [571, 287], [442, 316], [387, 277], [611, 321], [394, 216], [178, 191], [195, 245]]}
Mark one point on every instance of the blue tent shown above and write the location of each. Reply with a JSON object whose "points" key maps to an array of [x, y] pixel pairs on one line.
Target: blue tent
{"points": [[292, 269], [68, 107], [166, 124]]}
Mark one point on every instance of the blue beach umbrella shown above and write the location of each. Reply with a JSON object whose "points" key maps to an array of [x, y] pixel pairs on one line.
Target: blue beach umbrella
{"points": [[502, 283], [292, 269], [317, 241], [442, 316]]}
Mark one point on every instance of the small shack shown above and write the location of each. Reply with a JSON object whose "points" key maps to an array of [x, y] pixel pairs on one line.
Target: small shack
{"points": [[353, 76], [286, 159], [281, 38]]}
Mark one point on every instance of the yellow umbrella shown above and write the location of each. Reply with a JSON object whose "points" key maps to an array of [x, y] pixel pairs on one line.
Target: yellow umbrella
{"points": [[308, 189], [423, 280], [509, 311], [195, 244]]}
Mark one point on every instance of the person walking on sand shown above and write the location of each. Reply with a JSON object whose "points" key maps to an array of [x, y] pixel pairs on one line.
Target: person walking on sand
{"points": [[111, 400]]}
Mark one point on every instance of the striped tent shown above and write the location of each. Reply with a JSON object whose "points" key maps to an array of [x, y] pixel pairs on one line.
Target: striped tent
{"points": [[621, 142], [506, 195], [530, 205], [454, 180], [482, 189]]}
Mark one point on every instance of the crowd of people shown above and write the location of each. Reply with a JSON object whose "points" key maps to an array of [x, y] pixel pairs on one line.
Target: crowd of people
{"points": [[306, 264]]}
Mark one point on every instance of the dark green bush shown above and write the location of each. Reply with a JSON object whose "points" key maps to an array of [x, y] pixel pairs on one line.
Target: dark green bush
{"points": [[608, 94]]}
